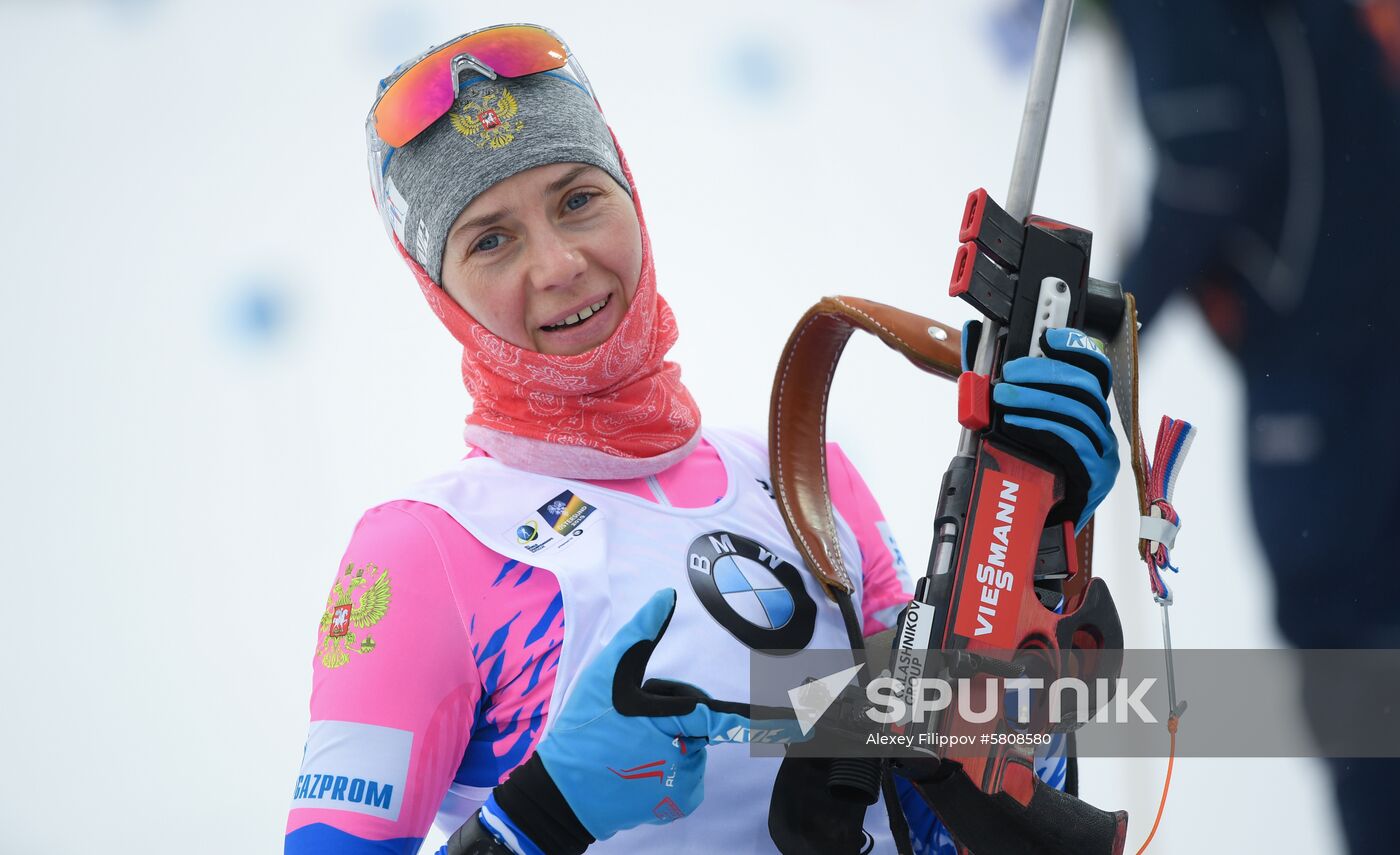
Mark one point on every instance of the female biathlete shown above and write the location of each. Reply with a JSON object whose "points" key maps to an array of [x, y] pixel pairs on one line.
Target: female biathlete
{"points": [[481, 658]]}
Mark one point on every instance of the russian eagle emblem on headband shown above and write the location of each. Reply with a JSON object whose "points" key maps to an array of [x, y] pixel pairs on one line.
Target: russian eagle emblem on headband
{"points": [[344, 612], [489, 119]]}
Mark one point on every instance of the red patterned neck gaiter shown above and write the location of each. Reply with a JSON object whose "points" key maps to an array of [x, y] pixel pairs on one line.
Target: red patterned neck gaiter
{"points": [[616, 411]]}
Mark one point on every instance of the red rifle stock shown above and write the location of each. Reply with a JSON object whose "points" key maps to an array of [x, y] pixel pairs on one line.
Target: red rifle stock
{"points": [[1009, 591]]}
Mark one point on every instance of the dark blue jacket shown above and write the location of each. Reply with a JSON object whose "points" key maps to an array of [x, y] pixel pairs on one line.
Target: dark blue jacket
{"points": [[1275, 208]]}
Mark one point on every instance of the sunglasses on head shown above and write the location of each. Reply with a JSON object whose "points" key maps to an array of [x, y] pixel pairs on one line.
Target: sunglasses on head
{"points": [[428, 88]]}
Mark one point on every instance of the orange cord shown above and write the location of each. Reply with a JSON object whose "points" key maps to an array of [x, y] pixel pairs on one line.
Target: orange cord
{"points": [[1171, 758]]}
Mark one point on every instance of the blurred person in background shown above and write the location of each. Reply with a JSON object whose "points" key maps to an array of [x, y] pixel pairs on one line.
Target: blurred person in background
{"points": [[1276, 129], [480, 660]]}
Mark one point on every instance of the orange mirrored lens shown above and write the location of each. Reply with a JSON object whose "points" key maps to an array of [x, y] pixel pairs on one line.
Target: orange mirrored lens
{"points": [[425, 92]]}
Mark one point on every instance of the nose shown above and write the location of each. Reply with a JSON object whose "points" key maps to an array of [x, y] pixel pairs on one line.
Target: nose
{"points": [[556, 260]]}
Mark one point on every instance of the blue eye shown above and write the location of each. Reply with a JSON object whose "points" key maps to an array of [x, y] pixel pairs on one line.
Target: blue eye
{"points": [[488, 243], [578, 200]]}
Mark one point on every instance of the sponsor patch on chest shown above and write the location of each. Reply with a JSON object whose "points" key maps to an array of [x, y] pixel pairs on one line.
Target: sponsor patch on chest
{"points": [[751, 591], [556, 524]]}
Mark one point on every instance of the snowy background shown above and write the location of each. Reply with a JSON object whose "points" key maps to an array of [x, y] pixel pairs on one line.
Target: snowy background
{"points": [[213, 360]]}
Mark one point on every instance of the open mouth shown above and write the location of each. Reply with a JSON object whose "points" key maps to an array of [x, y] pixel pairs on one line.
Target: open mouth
{"points": [[580, 318]]}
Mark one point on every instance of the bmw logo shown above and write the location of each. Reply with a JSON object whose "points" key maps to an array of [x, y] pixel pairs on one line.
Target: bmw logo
{"points": [[751, 592], [526, 533]]}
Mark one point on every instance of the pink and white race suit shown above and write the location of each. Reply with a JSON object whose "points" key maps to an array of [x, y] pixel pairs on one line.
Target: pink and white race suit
{"points": [[461, 613]]}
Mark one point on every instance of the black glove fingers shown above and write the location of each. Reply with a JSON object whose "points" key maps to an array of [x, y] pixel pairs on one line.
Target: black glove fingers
{"points": [[1059, 418], [1080, 395], [663, 688], [1076, 476]]}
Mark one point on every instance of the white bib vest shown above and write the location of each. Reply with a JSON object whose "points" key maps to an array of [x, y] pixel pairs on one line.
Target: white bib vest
{"points": [[740, 584]]}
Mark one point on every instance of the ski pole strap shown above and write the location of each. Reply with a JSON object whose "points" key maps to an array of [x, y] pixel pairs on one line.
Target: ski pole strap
{"points": [[1155, 477], [1158, 532], [797, 415], [1158, 529]]}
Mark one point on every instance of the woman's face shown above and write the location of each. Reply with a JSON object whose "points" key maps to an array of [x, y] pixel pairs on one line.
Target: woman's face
{"points": [[534, 253]]}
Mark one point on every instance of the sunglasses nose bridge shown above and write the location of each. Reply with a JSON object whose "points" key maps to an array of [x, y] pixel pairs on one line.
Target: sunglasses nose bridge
{"points": [[464, 62]]}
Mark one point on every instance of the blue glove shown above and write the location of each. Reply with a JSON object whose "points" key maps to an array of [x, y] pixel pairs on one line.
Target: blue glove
{"points": [[1058, 405], [619, 754]]}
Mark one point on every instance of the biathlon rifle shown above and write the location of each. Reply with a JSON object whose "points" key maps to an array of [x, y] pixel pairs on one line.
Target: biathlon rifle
{"points": [[1009, 589]]}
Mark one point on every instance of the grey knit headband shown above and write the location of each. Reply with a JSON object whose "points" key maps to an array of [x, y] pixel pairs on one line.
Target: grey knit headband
{"points": [[496, 129]]}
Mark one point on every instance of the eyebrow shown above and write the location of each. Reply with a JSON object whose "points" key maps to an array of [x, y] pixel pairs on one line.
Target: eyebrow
{"points": [[490, 219], [567, 179]]}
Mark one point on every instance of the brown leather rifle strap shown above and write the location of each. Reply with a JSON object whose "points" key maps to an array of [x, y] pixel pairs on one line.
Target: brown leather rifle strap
{"points": [[802, 388], [797, 416]]}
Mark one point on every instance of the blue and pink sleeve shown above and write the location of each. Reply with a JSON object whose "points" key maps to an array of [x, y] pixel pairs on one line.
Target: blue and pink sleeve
{"points": [[432, 671]]}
